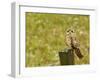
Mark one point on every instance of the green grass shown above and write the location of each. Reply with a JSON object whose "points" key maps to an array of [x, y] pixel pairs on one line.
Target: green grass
{"points": [[45, 35]]}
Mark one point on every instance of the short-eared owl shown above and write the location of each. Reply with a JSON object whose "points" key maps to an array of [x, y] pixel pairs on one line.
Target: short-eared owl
{"points": [[72, 42]]}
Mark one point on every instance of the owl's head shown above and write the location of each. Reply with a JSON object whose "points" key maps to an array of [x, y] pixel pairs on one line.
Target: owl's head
{"points": [[69, 32]]}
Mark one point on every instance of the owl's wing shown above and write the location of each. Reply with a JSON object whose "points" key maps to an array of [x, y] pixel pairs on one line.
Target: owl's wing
{"points": [[78, 53]]}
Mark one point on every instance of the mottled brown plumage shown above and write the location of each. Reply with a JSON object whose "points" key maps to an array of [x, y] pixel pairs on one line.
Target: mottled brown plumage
{"points": [[72, 42]]}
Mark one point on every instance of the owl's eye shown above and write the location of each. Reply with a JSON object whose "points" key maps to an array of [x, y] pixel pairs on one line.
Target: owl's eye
{"points": [[68, 31], [72, 31]]}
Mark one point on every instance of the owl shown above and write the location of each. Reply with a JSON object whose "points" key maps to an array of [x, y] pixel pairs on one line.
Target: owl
{"points": [[72, 42]]}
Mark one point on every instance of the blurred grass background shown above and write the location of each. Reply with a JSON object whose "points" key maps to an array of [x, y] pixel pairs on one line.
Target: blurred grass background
{"points": [[45, 33]]}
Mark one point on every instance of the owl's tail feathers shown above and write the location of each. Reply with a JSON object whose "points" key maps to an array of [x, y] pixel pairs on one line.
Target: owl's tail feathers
{"points": [[78, 53]]}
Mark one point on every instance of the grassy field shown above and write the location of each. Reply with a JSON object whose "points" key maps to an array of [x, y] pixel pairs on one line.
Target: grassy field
{"points": [[45, 35]]}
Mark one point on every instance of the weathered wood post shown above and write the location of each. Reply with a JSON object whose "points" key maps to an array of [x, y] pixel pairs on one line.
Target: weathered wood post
{"points": [[66, 57]]}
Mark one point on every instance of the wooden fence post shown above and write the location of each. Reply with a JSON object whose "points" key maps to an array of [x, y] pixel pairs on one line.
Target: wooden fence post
{"points": [[66, 57]]}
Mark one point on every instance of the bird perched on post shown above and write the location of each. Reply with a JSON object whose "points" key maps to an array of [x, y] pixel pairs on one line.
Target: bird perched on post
{"points": [[72, 42]]}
